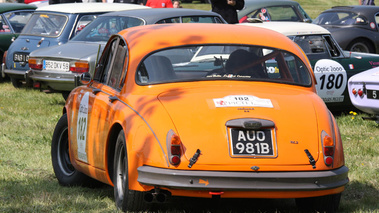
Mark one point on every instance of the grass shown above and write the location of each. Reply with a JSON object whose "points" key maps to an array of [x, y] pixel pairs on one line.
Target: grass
{"points": [[27, 182]]}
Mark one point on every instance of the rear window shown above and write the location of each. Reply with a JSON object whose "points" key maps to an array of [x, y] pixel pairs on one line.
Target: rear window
{"points": [[49, 25], [103, 27], [222, 62], [340, 18]]}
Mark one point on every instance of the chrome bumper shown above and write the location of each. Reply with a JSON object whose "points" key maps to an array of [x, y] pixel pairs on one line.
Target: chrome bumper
{"points": [[243, 181]]}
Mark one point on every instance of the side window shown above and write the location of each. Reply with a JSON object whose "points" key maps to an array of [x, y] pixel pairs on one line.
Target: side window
{"points": [[4, 28], [83, 21], [111, 68], [18, 19], [332, 46], [377, 20]]}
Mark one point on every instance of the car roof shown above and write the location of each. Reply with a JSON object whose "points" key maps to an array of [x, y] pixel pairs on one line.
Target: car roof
{"points": [[5, 7], [355, 8], [89, 7], [291, 28], [155, 37], [151, 16]]}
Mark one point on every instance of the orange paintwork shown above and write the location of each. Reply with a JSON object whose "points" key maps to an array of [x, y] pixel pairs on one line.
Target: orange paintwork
{"points": [[188, 110]]}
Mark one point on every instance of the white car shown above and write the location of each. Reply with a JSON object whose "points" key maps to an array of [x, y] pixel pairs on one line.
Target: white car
{"points": [[364, 92], [331, 65]]}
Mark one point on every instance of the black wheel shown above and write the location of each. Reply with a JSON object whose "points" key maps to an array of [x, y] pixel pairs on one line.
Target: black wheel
{"points": [[328, 203], [361, 45], [66, 174], [65, 95], [126, 200], [16, 82]]}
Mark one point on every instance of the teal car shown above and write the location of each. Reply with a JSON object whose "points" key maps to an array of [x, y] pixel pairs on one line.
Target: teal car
{"points": [[331, 65], [13, 17]]}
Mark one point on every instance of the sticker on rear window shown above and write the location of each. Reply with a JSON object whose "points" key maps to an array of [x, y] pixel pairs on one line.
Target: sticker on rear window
{"points": [[242, 101]]}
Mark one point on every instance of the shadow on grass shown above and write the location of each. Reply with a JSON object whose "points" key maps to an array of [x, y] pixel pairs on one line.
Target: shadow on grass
{"points": [[360, 197]]}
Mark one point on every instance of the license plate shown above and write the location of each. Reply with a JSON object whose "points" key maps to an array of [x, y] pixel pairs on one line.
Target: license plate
{"points": [[373, 94], [252, 142], [20, 57], [56, 65]]}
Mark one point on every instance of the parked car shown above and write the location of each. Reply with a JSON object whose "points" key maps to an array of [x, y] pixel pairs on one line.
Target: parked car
{"points": [[58, 68], [273, 10], [212, 128], [355, 28], [13, 17], [331, 65], [364, 92], [52, 25]]}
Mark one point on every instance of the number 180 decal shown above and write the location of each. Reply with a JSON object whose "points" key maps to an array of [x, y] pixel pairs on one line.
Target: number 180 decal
{"points": [[331, 80]]}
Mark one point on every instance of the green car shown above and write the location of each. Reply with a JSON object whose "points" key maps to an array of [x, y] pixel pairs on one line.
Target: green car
{"points": [[13, 17], [331, 65]]}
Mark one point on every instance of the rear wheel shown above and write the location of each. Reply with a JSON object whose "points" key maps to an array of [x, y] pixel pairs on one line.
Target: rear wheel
{"points": [[328, 203], [65, 172], [16, 82], [126, 200], [361, 45]]}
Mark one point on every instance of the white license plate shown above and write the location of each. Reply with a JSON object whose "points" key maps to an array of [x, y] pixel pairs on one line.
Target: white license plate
{"points": [[252, 143], [56, 65]]}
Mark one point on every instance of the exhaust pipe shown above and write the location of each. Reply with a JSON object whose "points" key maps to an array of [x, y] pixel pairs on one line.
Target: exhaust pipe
{"points": [[157, 195]]}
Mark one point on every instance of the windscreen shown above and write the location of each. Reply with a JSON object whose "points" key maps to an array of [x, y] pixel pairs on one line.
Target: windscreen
{"points": [[340, 18], [222, 62], [103, 27]]}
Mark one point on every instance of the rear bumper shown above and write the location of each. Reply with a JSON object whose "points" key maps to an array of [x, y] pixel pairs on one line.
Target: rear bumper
{"points": [[17, 74], [56, 81], [243, 181]]}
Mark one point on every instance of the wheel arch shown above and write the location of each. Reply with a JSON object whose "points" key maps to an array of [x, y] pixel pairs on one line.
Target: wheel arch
{"points": [[366, 39], [113, 133]]}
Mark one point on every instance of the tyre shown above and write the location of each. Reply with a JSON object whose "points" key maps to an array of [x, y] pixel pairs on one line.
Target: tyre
{"points": [[125, 199], [65, 95], [361, 45], [66, 174], [328, 203], [16, 82]]}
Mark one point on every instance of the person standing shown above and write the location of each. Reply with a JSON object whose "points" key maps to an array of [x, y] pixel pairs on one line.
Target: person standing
{"points": [[159, 3], [228, 9], [366, 2]]}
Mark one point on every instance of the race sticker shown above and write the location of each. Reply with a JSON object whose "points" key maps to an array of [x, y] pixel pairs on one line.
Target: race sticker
{"points": [[242, 101], [331, 80], [81, 128]]}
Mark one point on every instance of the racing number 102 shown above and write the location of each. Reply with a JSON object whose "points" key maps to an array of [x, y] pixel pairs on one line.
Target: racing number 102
{"points": [[332, 81]]}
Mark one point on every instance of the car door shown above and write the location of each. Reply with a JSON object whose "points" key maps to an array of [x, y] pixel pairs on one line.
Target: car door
{"points": [[98, 104]]}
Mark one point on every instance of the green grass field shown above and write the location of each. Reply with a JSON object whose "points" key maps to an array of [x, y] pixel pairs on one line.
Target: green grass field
{"points": [[27, 182]]}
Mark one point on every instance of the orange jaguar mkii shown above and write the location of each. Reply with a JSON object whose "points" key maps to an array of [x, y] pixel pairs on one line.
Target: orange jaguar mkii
{"points": [[201, 110]]}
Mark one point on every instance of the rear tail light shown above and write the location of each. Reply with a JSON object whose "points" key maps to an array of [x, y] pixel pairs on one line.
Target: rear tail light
{"points": [[79, 66], [35, 63], [360, 92], [174, 148], [328, 148]]}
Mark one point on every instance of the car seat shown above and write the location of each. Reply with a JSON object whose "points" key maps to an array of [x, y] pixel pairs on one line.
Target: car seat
{"points": [[159, 68]]}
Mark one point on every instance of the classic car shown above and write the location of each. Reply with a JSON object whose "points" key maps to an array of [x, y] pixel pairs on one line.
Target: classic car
{"points": [[153, 126], [58, 68], [273, 10], [13, 17], [331, 65], [48, 26], [355, 28], [364, 92]]}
